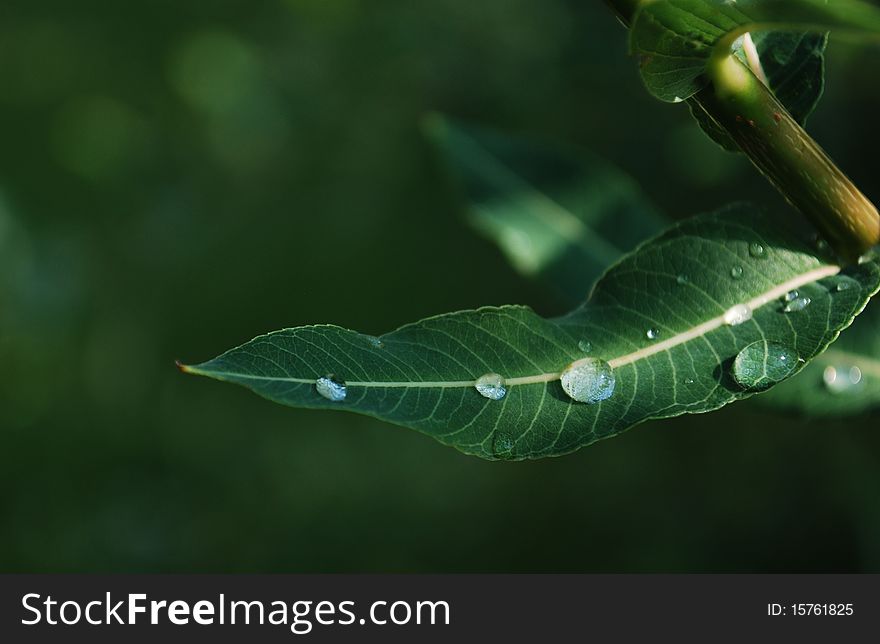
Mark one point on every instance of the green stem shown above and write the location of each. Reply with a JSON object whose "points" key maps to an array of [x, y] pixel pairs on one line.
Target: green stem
{"points": [[788, 157], [738, 102]]}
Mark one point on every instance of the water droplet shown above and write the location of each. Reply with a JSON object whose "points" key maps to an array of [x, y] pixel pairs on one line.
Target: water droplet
{"points": [[652, 333], [762, 364], [738, 314], [688, 381], [502, 445], [757, 250], [844, 284], [585, 345], [822, 246], [736, 272], [867, 257], [791, 295], [375, 342], [797, 304], [491, 386], [840, 379], [681, 280], [331, 387], [589, 380]]}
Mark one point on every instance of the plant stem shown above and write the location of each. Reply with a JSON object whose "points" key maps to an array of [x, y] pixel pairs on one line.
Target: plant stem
{"points": [[738, 102]]}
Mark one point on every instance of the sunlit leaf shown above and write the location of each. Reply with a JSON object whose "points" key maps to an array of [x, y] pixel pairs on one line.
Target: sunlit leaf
{"points": [[690, 321]]}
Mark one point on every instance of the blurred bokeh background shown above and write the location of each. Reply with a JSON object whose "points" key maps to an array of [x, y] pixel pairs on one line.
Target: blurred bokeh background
{"points": [[177, 177]]}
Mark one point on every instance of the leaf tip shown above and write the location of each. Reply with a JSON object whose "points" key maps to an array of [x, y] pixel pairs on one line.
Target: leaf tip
{"points": [[184, 368]]}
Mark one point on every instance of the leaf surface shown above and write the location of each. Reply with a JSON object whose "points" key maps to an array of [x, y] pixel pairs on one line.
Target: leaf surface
{"points": [[842, 381], [559, 214], [660, 319]]}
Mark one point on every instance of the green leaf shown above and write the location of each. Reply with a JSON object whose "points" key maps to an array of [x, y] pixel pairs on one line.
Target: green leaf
{"points": [[676, 38], [793, 65], [559, 214], [661, 319], [844, 380]]}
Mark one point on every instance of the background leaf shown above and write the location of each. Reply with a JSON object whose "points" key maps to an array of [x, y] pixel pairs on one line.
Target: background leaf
{"points": [[559, 214], [794, 67], [842, 381], [675, 38], [674, 320]]}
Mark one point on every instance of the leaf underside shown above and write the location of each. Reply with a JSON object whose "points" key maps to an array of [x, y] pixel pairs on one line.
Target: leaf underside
{"points": [[677, 286]]}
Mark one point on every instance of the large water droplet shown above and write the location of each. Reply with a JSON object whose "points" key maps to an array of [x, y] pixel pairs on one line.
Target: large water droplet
{"points": [[757, 250], [585, 345], [491, 386], [736, 272], [839, 380], [590, 380], [738, 314], [762, 364], [797, 304], [791, 295], [652, 333], [331, 387]]}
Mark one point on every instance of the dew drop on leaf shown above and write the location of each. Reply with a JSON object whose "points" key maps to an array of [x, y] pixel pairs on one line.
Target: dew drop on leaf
{"points": [[736, 272], [757, 250], [652, 333], [791, 295], [682, 279], [843, 285], [797, 304], [375, 342], [590, 380], [502, 445], [762, 364], [491, 386], [331, 388], [585, 345], [738, 314], [839, 380]]}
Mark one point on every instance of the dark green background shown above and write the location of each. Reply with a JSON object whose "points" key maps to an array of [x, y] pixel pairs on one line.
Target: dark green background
{"points": [[176, 177]]}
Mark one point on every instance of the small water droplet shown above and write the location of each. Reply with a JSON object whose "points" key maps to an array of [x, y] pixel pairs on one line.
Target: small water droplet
{"points": [[331, 388], [376, 342], [491, 386], [688, 381], [791, 295], [822, 246], [682, 279], [839, 380], [762, 364], [756, 250], [797, 304], [590, 380], [843, 285], [867, 257], [652, 333], [738, 314], [736, 272], [585, 345], [502, 445]]}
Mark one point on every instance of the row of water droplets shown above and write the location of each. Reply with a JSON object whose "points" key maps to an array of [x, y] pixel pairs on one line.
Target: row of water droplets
{"points": [[591, 380]]}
